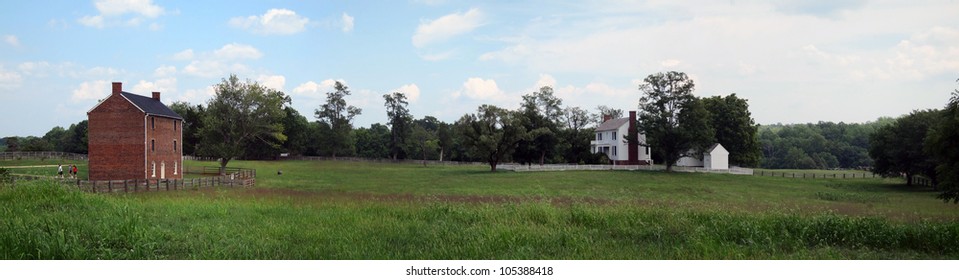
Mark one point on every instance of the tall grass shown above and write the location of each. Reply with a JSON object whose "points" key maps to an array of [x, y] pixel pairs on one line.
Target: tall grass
{"points": [[41, 220]]}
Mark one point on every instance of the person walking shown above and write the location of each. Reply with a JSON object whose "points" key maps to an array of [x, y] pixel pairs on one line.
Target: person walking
{"points": [[75, 171], [60, 170]]}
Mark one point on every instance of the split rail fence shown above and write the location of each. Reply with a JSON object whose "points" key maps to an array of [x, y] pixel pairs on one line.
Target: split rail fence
{"points": [[235, 177], [41, 155], [801, 175]]}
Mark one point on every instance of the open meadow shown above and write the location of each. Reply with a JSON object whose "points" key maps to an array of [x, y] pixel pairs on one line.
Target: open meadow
{"points": [[360, 210]]}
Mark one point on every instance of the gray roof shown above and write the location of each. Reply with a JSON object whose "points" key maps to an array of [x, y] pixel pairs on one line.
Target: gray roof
{"points": [[613, 124], [151, 106]]}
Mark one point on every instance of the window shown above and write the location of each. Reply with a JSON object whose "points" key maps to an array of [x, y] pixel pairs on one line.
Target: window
{"points": [[174, 145], [153, 169], [647, 150], [599, 136], [153, 123], [174, 125], [614, 137], [614, 147], [153, 147], [175, 169]]}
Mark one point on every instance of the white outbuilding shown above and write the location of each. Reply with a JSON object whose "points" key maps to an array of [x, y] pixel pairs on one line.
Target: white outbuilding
{"points": [[715, 157]]}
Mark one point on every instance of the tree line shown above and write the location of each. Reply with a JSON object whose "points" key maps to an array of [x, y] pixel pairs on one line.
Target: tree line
{"points": [[922, 143], [246, 120], [822, 145]]}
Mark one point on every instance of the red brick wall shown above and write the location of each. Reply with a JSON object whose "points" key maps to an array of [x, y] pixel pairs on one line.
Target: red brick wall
{"points": [[115, 137], [117, 145], [161, 133]]}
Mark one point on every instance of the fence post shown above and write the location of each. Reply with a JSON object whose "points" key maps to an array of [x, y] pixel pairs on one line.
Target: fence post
{"points": [[94, 186], [110, 186], [125, 186]]}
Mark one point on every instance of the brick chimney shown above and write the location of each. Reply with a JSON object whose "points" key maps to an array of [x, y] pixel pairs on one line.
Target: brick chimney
{"points": [[117, 87], [156, 95], [607, 117], [633, 146]]}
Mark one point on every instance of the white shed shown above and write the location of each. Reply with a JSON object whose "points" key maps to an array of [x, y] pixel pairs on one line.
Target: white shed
{"points": [[716, 157]]}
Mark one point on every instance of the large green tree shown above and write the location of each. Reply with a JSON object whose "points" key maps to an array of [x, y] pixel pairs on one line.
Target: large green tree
{"points": [[541, 115], [898, 148], [491, 133], [297, 130], [675, 122], [238, 113], [399, 121], [943, 143], [372, 142], [75, 140], [576, 135], [603, 111], [192, 122], [735, 128], [338, 116]]}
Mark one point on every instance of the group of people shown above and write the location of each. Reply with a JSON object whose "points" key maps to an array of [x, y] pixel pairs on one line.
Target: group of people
{"points": [[72, 169]]}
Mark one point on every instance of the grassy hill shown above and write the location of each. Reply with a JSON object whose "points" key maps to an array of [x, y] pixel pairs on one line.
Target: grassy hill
{"points": [[352, 210]]}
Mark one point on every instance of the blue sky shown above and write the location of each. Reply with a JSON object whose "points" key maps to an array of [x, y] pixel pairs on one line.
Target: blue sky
{"points": [[795, 61]]}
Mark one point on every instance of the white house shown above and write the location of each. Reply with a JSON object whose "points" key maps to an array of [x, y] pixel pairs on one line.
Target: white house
{"points": [[715, 157], [610, 140]]}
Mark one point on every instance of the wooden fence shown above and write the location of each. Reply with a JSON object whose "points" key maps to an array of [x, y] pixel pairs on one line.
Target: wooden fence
{"points": [[789, 174], [236, 177], [41, 155], [567, 167]]}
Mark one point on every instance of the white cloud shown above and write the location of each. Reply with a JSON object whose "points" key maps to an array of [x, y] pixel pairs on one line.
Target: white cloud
{"points": [[347, 23], [481, 89], [122, 13], [198, 96], [165, 86], [545, 80], [91, 21], [236, 51], [218, 63], [120, 7], [12, 40], [164, 71], [446, 27], [68, 70], [670, 63], [186, 54], [274, 22], [92, 90], [412, 91], [312, 88], [9, 79], [272, 81]]}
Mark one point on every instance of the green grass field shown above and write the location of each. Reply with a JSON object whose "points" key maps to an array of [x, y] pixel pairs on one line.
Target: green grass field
{"points": [[353, 210]]}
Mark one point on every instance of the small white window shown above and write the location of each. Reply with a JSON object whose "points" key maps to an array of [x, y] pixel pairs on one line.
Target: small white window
{"points": [[599, 136], [614, 135], [175, 169], [614, 147], [153, 169]]}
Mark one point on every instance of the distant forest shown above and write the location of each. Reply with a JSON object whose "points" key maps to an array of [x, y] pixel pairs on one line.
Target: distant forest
{"points": [[823, 145]]}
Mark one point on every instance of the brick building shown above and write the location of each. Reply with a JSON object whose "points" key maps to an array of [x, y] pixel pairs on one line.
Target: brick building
{"points": [[134, 137]]}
